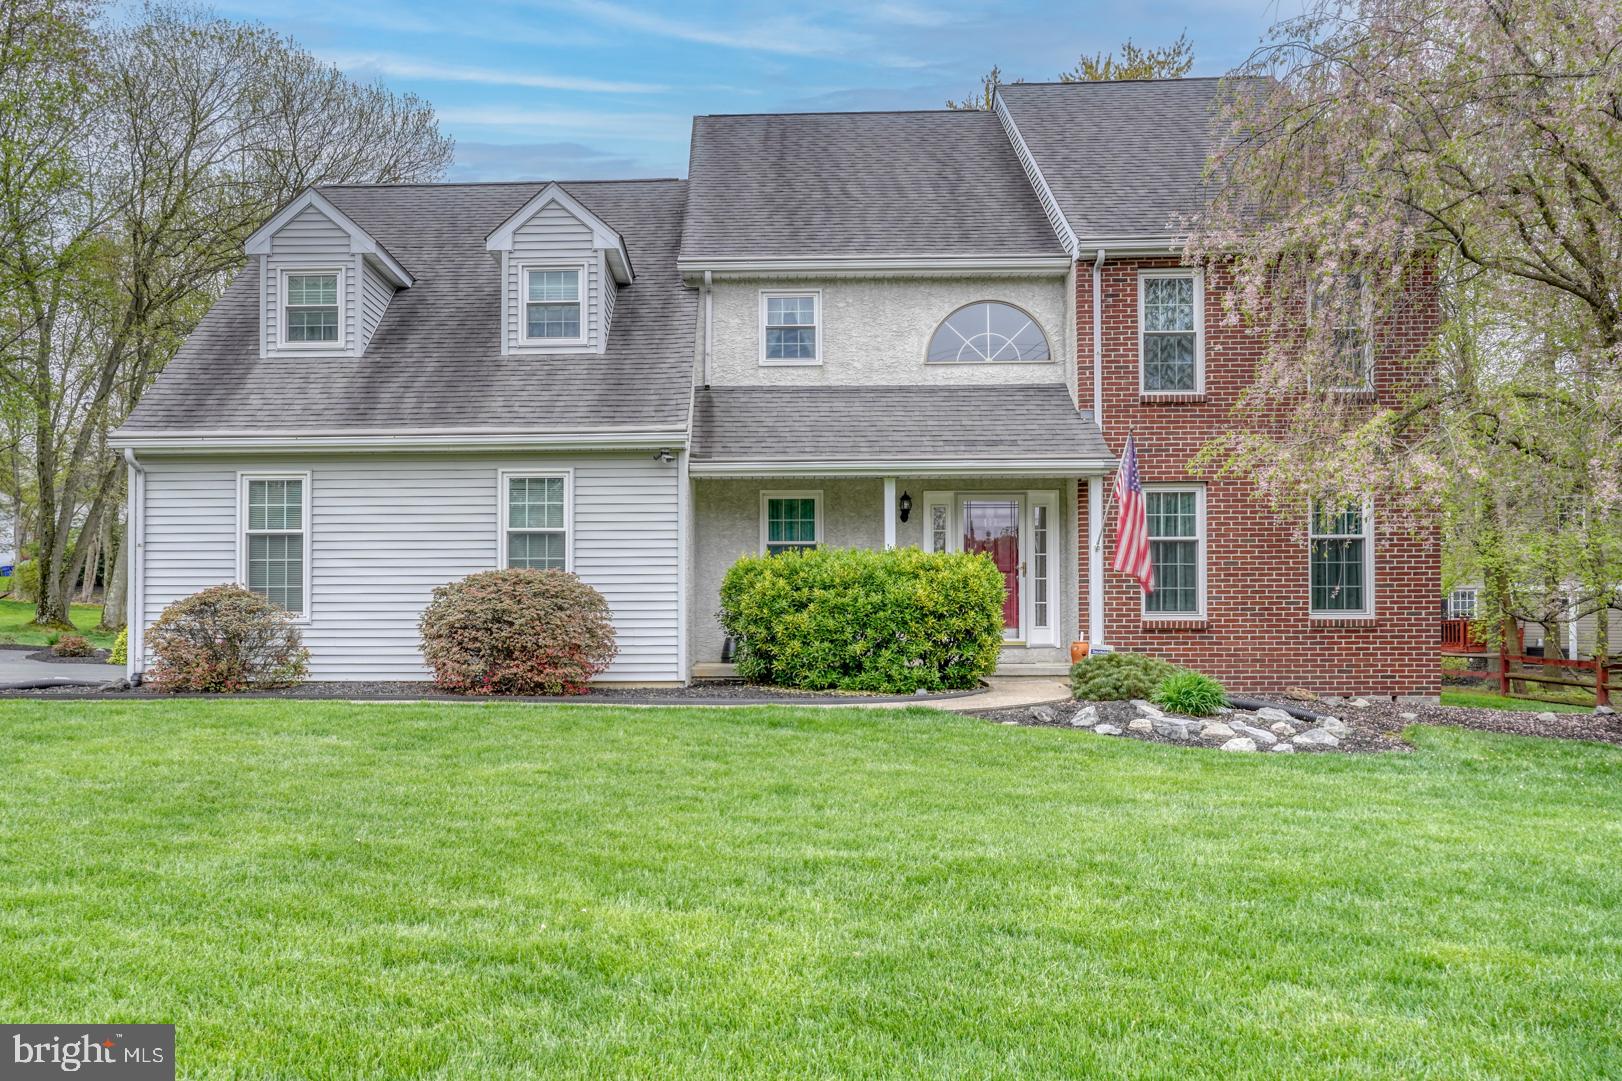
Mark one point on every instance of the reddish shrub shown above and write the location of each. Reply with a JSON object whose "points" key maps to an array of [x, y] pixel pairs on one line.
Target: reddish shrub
{"points": [[225, 639], [517, 632], [72, 645]]}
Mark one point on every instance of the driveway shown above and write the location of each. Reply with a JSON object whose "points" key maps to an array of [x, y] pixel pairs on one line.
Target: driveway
{"points": [[15, 667]]}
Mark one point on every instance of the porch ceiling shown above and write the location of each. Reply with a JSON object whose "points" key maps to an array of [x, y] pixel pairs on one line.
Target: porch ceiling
{"points": [[885, 430]]}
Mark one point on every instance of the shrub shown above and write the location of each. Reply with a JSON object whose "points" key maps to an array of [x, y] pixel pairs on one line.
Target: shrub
{"points": [[1117, 677], [225, 639], [517, 632], [1190, 693], [893, 621], [25, 581], [72, 645], [121, 648]]}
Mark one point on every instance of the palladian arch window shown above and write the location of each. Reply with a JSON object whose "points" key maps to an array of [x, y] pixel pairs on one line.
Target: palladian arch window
{"points": [[988, 331]]}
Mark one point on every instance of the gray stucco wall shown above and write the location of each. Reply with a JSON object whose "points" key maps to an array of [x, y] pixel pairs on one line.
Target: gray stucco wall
{"points": [[876, 330], [726, 525]]}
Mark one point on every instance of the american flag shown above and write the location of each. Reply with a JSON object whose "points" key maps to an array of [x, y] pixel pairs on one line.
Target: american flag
{"points": [[1132, 522]]}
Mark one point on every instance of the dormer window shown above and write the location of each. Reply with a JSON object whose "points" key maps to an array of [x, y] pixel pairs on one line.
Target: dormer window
{"points": [[552, 305], [311, 307]]}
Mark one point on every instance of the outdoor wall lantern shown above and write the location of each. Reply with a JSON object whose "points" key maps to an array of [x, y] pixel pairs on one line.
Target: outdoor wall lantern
{"points": [[905, 505]]}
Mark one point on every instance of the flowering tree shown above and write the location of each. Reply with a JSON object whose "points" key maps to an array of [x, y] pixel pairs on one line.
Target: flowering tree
{"points": [[1382, 147]]}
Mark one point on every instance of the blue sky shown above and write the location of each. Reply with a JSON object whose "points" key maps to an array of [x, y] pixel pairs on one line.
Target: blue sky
{"points": [[578, 89]]}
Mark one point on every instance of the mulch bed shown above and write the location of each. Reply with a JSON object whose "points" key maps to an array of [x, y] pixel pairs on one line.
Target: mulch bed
{"points": [[96, 657], [1378, 727]]}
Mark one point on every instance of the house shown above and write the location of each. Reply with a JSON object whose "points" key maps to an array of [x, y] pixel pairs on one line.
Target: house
{"points": [[1575, 637], [856, 329]]}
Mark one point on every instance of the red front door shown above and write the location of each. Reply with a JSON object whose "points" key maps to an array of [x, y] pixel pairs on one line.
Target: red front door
{"points": [[992, 526]]}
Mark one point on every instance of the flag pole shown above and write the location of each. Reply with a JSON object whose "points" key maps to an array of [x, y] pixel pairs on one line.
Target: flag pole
{"points": [[1109, 501]]}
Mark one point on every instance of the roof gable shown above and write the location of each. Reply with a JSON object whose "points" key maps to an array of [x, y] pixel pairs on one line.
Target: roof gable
{"points": [[360, 241], [603, 235]]}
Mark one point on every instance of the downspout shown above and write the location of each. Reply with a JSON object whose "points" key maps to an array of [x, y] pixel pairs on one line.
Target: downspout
{"points": [[1098, 339], [709, 324], [134, 608]]}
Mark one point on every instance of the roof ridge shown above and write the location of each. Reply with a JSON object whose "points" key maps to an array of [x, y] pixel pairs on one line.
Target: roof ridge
{"points": [[849, 112], [1126, 82], [503, 183]]}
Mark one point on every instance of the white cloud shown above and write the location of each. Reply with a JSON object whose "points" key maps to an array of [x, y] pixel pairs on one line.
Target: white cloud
{"points": [[654, 127], [406, 67]]}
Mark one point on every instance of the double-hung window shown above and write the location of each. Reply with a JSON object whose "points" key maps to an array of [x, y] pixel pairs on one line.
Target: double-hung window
{"points": [[1344, 306], [275, 516], [535, 520], [310, 308], [790, 329], [1461, 604], [1176, 518], [1170, 323], [790, 520], [552, 305], [1341, 548]]}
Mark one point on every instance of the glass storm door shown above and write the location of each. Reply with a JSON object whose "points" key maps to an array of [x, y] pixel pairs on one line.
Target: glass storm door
{"points": [[992, 526]]}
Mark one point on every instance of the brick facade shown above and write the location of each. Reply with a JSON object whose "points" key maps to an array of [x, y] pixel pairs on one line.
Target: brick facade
{"points": [[1257, 634]]}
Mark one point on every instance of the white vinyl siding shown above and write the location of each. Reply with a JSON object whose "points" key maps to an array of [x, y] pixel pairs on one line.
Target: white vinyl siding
{"points": [[384, 531], [552, 239], [310, 233], [375, 294]]}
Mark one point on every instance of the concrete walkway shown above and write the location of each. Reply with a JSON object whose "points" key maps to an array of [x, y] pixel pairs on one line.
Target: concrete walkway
{"points": [[1010, 692]]}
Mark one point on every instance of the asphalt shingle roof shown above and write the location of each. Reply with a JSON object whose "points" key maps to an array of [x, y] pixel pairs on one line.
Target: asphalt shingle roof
{"points": [[1124, 159], [435, 361], [846, 184], [912, 423]]}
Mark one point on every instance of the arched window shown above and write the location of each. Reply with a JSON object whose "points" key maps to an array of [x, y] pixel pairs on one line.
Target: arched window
{"points": [[988, 331]]}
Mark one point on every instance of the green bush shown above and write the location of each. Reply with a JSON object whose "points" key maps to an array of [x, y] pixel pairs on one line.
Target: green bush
{"points": [[894, 621], [1190, 693], [517, 632], [1117, 677], [72, 645], [121, 648], [225, 638], [25, 581]]}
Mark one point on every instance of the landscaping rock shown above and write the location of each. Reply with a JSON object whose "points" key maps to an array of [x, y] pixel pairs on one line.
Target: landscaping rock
{"points": [[1408, 716], [1172, 727], [1334, 726], [1272, 714], [1262, 736], [1140, 724], [1300, 694], [1240, 744], [1107, 730], [1216, 730], [1085, 718], [1359, 703], [1604, 711], [1042, 714], [1316, 737], [1147, 709], [1546, 715], [1284, 747], [1282, 729]]}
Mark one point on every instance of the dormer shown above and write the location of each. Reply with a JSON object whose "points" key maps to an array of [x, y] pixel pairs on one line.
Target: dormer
{"points": [[324, 281], [561, 269]]}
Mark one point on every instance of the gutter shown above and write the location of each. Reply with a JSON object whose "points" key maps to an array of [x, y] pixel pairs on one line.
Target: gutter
{"points": [[422, 439], [134, 606], [1034, 263], [709, 324], [915, 468], [1098, 340]]}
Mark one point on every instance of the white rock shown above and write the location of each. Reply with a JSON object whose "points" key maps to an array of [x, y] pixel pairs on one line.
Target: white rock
{"points": [[1173, 727], [1605, 711], [1140, 724], [1086, 718], [1334, 726], [1546, 715], [1409, 716], [1216, 730], [1359, 703], [1284, 747], [1316, 737], [1240, 744], [1282, 728], [1042, 714], [1147, 709], [1262, 736], [1272, 714], [1107, 730]]}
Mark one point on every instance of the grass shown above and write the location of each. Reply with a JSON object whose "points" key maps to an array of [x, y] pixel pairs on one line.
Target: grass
{"points": [[327, 890], [1491, 700], [17, 617]]}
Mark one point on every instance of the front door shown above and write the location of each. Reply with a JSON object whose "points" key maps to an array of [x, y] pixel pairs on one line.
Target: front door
{"points": [[992, 525]]}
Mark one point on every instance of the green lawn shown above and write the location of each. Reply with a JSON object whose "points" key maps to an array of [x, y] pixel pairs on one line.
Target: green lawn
{"points": [[1493, 700], [15, 615], [496, 891]]}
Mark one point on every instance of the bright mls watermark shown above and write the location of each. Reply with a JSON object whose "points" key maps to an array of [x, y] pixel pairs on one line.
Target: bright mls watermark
{"points": [[126, 1052]]}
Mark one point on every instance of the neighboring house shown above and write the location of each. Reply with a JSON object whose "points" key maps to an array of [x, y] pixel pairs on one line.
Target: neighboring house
{"points": [[1576, 636], [855, 329]]}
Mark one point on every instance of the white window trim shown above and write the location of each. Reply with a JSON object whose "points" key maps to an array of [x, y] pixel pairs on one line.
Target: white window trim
{"points": [[791, 362], [1199, 325], [1368, 342], [339, 346], [1040, 329], [524, 271], [308, 530], [1475, 600], [1045, 634], [1368, 609], [815, 495], [1201, 543], [503, 511]]}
